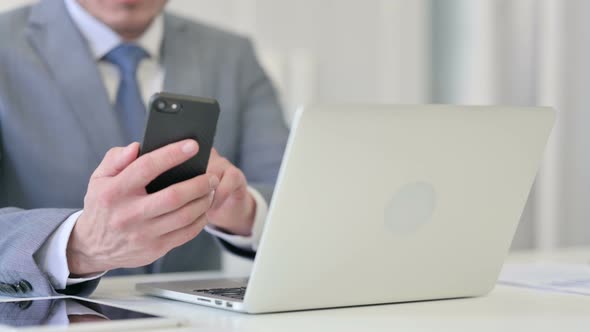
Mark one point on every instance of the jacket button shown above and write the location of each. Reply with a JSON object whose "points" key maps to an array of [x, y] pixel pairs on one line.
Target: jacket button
{"points": [[24, 287], [8, 289]]}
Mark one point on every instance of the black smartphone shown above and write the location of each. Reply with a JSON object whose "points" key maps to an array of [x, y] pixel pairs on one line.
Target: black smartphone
{"points": [[172, 118]]}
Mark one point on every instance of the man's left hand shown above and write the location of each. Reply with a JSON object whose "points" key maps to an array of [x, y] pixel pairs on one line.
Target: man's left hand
{"points": [[233, 208]]}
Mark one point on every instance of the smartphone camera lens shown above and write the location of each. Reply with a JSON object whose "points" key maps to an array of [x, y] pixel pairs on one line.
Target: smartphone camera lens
{"points": [[161, 105], [175, 107]]}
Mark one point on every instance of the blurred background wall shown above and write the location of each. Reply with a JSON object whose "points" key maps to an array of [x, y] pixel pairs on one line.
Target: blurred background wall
{"points": [[517, 52]]}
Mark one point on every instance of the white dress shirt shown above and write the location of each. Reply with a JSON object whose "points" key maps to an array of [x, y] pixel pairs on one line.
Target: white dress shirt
{"points": [[150, 74]]}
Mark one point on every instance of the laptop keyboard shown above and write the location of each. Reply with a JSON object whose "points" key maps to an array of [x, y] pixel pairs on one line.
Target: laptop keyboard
{"points": [[234, 293]]}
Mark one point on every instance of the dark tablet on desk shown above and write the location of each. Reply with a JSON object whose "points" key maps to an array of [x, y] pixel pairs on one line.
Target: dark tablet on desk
{"points": [[74, 314]]}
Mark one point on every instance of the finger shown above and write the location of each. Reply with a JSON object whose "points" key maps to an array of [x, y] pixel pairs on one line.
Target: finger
{"points": [[116, 160], [232, 180], [178, 195], [179, 218], [218, 166], [181, 236], [149, 166]]}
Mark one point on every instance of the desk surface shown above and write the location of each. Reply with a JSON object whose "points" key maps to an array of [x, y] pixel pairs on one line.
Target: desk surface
{"points": [[504, 309]]}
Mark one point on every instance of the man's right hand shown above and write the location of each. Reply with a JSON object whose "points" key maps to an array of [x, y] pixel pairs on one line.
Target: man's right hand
{"points": [[123, 226]]}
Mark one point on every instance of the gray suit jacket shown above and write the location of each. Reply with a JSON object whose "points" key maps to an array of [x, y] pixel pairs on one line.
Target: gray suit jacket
{"points": [[56, 123]]}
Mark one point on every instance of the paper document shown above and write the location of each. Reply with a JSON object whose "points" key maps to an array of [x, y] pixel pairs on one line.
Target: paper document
{"points": [[565, 278]]}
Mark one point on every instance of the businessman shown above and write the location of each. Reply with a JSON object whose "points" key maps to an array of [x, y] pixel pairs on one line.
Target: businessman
{"points": [[74, 79]]}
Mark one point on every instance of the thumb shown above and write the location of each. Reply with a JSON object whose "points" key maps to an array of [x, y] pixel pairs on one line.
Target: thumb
{"points": [[116, 160]]}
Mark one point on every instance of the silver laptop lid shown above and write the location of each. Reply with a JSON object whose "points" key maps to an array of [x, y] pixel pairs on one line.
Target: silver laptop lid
{"points": [[379, 204]]}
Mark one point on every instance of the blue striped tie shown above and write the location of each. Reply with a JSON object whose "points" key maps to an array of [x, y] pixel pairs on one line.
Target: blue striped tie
{"points": [[129, 104]]}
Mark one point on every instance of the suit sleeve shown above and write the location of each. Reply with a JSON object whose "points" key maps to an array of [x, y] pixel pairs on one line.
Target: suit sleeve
{"points": [[23, 233], [263, 133]]}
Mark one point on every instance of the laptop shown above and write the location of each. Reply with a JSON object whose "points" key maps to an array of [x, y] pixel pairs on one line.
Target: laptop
{"points": [[383, 204]]}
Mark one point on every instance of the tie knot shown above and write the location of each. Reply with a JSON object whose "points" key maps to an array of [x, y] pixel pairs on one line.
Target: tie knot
{"points": [[126, 57]]}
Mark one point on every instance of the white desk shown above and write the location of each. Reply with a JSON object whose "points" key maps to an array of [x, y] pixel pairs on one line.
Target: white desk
{"points": [[504, 309]]}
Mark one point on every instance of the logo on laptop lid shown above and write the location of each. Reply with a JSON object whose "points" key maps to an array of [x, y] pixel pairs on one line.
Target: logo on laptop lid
{"points": [[411, 207]]}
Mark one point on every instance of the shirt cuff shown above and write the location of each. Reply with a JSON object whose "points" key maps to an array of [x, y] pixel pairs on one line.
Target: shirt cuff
{"points": [[246, 242], [52, 259]]}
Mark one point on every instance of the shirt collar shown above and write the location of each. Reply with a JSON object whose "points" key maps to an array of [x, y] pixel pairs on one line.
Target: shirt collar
{"points": [[103, 39]]}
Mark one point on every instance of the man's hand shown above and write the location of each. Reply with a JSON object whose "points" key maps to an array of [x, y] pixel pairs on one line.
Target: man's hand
{"points": [[233, 207], [123, 226]]}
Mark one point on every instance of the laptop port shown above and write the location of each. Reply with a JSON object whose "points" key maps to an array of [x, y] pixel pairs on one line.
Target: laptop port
{"points": [[218, 302], [229, 304], [203, 300]]}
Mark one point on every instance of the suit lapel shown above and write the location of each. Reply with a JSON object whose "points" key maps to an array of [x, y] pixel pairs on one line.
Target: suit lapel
{"points": [[68, 58], [181, 59]]}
